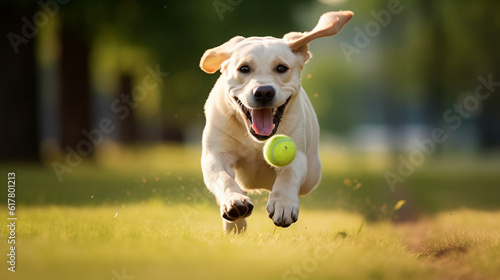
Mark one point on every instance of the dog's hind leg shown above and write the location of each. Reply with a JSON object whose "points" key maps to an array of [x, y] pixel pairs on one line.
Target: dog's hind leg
{"points": [[238, 226]]}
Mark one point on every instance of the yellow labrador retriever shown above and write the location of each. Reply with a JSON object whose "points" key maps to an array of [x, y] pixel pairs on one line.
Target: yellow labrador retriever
{"points": [[258, 94]]}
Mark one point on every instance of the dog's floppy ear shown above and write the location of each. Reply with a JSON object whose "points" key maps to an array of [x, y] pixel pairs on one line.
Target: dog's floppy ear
{"points": [[213, 58], [329, 24]]}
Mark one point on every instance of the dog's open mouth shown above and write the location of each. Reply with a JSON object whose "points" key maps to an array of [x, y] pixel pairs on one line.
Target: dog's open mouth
{"points": [[263, 122]]}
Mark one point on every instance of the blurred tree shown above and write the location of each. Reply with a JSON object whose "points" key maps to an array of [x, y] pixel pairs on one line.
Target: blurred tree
{"points": [[128, 126], [487, 45], [434, 64], [74, 104], [77, 32], [450, 45], [460, 48], [18, 97]]}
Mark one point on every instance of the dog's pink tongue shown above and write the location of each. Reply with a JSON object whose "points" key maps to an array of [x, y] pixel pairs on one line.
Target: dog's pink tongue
{"points": [[263, 121]]}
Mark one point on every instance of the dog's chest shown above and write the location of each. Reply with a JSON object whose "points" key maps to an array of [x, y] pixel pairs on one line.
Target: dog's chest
{"points": [[252, 171]]}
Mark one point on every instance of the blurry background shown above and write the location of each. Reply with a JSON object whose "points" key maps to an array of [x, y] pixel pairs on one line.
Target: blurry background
{"points": [[104, 99]]}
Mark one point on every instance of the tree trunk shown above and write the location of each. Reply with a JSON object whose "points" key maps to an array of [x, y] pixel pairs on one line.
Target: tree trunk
{"points": [[489, 119], [18, 97], [127, 127], [434, 64], [75, 89]]}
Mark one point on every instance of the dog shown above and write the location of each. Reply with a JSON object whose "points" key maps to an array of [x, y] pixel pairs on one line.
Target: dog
{"points": [[257, 95]]}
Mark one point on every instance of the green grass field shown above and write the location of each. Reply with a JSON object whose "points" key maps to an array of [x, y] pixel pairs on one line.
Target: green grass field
{"points": [[145, 214]]}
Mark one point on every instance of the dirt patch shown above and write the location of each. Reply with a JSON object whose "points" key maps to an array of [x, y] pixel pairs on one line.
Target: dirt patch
{"points": [[446, 250]]}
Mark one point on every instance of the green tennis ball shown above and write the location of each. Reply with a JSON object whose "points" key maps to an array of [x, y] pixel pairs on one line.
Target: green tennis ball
{"points": [[279, 150]]}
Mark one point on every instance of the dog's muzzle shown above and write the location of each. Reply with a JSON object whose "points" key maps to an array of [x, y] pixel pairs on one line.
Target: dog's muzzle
{"points": [[263, 122]]}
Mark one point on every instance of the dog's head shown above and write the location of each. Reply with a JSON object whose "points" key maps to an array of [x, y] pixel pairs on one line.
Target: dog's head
{"points": [[263, 74]]}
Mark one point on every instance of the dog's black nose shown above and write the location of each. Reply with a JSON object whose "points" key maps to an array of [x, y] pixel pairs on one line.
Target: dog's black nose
{"points": [[263, 94]]}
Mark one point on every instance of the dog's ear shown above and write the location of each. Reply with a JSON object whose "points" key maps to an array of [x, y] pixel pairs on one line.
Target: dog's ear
{"points": [[329, 24], [213, 58]]}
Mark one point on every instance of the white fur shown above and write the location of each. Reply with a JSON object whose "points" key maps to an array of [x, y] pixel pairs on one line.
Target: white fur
{"points": [[232, 160]]}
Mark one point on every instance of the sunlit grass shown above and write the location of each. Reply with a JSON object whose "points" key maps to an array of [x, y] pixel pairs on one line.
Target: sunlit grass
{"points": [[155, 241], [145, 212]]}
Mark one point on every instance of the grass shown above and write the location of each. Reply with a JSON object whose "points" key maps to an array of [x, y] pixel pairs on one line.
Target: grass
{"points": [[145, 214], [155, 241]]}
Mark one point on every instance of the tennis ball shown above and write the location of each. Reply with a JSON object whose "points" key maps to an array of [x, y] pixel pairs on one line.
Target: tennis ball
{"points": [[279, 150]]}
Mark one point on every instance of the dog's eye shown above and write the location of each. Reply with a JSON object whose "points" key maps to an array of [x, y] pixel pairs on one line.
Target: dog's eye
{"points": [[281, 68], [244, 69]]}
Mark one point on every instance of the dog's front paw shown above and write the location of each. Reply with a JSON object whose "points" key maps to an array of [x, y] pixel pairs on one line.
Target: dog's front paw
{"points": [[238, 206], [282, 210]]}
